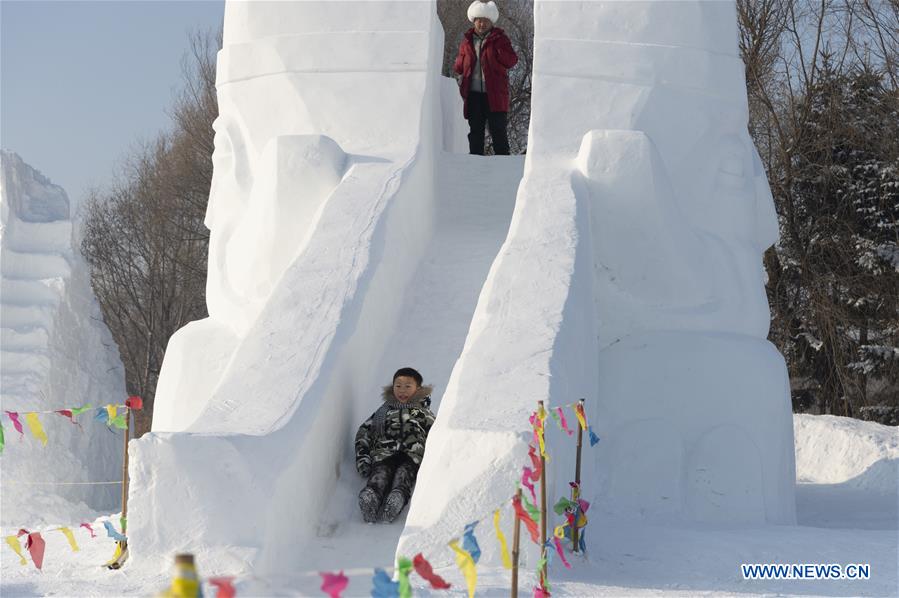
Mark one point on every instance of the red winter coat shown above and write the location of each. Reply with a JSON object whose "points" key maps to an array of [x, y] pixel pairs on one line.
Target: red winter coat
{"points": [[497, 57]]}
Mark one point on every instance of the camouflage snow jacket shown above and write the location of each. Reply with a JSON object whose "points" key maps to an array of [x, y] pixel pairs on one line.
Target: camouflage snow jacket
{"points": [[395, 428]]}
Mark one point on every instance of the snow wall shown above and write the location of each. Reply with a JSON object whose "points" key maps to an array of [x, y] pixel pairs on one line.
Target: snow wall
{"points": [[631, 275], [55, 353]]}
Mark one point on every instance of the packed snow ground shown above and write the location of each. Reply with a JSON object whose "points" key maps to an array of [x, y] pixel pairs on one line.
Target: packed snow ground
{"points": [[847, 506]]}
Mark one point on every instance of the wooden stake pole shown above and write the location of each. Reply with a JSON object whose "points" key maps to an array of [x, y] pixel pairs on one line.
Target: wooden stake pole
{"points": [[516, 535], [542, 503], [576, 492], [125, 469]]}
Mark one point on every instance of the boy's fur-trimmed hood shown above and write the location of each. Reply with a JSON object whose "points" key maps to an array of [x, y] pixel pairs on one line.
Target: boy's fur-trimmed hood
{"points": [[424, 391]]}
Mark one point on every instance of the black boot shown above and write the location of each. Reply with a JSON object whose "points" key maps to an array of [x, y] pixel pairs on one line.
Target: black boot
{"points": [[369, 501], [393, 506]]}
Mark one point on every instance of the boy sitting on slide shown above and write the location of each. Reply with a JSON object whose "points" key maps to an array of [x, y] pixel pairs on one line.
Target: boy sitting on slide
{"points": [[390, 446]]}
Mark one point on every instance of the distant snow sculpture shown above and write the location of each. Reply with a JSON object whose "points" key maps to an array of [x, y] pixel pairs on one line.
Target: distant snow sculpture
{"points": [[56, 353]]}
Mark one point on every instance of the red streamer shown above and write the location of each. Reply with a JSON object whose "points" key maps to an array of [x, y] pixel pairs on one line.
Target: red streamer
{"points": [[423, 568], [561, 552], [134, 403], [535, 461], [525, 517], [224, 587], [35, 546], [90, 529]]}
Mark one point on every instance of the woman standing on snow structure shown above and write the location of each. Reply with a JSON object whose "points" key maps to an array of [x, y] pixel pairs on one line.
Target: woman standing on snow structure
{"points": [[485, 57]]}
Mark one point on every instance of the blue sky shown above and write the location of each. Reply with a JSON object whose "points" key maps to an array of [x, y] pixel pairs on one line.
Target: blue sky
{"points": [[82, 82]]}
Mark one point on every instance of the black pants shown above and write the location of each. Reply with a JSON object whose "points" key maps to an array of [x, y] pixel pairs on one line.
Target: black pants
{"points": [[396, 472], [479, 115]]}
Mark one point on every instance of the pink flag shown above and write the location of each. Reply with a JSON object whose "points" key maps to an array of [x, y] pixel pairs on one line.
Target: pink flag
{"points": [[14, 417], [541, 592], [90, 529], [224, 587], [35, 546], [333, 585], [561, 552], [526, 475], [564, 421], [135, 403]]}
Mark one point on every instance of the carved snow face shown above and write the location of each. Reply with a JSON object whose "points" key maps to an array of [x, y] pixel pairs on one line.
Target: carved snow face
{"points": [[269, 180]]}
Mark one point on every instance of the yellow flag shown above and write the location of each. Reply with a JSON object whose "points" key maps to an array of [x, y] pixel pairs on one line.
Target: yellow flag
{"points": [[504, 548], [111, 410], [116, 554], [71, 537], [13, 542], [466, 565], [34, 424], [559, 532]]}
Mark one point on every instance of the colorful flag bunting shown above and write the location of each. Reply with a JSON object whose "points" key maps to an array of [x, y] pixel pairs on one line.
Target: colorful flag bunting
{"points": [[70, 537], [333, 583], [37, 430], [525, 518], [423, 568], [101, 415], [384, 587], [14, 543], [14, 418], [224, 587], [119, 422], [111, 411], [593, 437], [467, 566], [503, 547], [89, 528], [403, 569], [34, 544], [112, 533]]}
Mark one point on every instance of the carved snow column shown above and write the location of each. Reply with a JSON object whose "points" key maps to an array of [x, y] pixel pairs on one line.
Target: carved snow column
{"points": [[694, 406]]}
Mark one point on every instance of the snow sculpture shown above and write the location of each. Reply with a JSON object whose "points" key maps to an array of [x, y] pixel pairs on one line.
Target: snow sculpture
{"points": [[329, 117], [56, 353], [632, 275]]}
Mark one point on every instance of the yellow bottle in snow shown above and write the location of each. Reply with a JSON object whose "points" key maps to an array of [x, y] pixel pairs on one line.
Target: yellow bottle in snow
{"points": [[185, 582]]}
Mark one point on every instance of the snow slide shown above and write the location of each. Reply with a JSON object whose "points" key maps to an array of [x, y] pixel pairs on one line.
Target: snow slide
{"points": [[346, 241]]}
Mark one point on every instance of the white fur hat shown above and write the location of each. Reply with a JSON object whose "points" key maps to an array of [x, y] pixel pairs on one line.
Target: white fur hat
{"points": [[486, 10]]}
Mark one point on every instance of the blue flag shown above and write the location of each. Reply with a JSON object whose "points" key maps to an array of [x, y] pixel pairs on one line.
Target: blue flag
{"points": [[384, 586], [470, 543], [593, 437], [112, 533]]}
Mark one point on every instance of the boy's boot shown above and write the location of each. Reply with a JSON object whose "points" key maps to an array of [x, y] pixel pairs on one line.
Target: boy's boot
{"points": [[369, 501], [393, 506]]}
